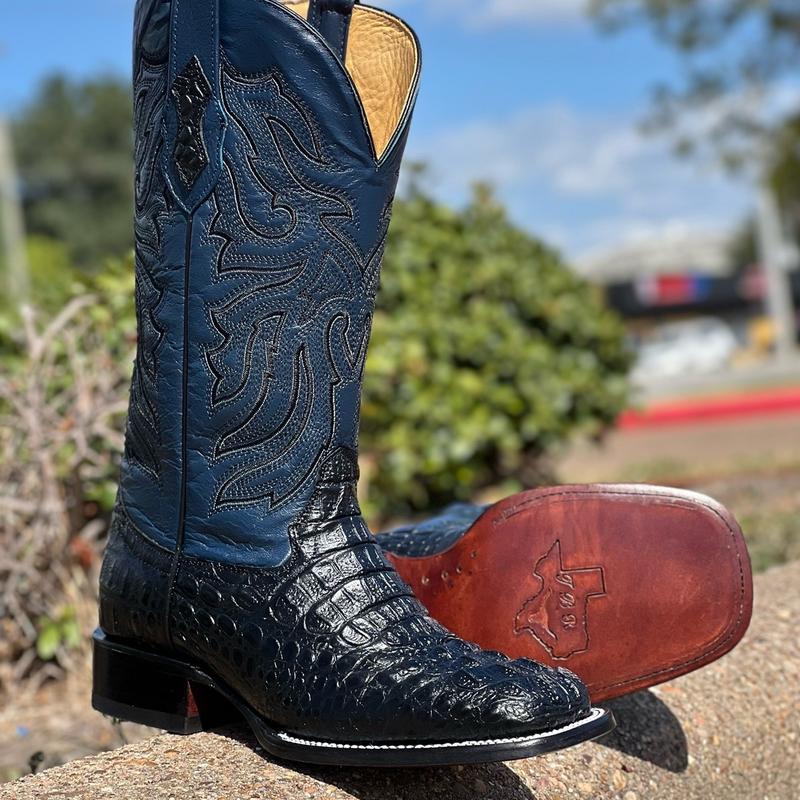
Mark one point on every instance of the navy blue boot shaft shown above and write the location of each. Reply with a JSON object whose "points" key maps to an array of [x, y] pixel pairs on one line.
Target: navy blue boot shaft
{"points": [[262, 214]]}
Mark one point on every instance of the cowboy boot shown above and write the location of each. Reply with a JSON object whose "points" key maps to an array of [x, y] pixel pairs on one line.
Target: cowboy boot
{"points": [[628, 586], [239, 575]]}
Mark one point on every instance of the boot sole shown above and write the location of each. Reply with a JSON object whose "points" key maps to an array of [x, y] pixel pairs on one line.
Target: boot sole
{"points": [[627, 586], [138, 686]]}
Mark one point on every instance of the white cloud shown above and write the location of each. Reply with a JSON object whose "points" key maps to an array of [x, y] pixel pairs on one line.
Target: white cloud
{"points": [[538, 11], [584, 181], [575, 154]]}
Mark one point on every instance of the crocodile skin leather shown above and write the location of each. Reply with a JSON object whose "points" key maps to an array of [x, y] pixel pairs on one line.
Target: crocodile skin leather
{"points": [[332, 637], [191, 93], [134, 585], [431, 536], [237, 543]]}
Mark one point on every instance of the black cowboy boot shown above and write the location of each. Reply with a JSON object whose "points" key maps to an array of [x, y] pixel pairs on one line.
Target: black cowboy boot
{"points": [[239, 573]]}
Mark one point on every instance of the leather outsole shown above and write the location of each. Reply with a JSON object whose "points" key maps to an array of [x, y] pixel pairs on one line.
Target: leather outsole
{"points": [[628, 586]]}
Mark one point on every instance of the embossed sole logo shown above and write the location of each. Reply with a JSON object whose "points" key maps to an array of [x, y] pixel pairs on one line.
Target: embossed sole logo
{"points": [[557, 615]]}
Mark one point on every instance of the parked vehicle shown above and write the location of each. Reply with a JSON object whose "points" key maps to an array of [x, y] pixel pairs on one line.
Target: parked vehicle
{"points": [[692, 346]]}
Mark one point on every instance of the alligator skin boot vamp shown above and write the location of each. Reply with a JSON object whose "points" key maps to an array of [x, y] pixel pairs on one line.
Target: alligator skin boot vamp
{"points": [[627, 586], [239, 575]]}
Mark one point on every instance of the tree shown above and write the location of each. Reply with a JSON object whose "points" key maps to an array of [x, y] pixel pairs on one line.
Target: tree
{"points": [[731, 48], [488, 352], [74, 146], [783, 169]]}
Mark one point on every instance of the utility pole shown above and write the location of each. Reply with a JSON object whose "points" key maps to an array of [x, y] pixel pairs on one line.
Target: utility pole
{"points": [[778, 257], [12, 228]]}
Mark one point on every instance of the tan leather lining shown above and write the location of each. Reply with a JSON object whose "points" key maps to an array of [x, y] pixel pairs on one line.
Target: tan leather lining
{"points": [[382, 59]]}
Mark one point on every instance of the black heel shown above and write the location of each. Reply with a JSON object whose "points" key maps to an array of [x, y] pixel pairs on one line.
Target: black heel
{"points": [[141, 687]]}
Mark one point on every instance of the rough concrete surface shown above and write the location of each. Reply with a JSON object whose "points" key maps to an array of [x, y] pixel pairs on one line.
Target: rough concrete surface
{"points": [[728, 732]]}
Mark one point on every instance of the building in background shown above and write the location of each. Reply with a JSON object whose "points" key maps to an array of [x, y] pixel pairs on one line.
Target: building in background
{"points": [[689, 306]]}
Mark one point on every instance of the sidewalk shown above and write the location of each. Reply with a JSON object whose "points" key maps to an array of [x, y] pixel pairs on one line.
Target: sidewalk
{"points": [[715, 408]]}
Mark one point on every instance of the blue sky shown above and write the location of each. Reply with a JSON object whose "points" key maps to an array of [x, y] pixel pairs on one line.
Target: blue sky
{"points": [[524, 93]]}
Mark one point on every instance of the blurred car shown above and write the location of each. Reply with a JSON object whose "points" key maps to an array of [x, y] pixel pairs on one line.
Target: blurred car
{"points": [[693, 346]]}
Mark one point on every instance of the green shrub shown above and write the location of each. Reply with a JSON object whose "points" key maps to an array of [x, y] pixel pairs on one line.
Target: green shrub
{"points": [[487, 353]]}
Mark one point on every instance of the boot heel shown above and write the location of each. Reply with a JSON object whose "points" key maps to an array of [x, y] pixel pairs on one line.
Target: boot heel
{"points": [[141, 687]]}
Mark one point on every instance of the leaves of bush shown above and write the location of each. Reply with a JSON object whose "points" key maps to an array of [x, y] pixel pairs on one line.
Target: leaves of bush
{"points": [[488, 351]]}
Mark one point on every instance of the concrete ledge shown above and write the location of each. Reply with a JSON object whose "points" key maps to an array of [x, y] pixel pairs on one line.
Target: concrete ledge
{"points": [[728, 732]]}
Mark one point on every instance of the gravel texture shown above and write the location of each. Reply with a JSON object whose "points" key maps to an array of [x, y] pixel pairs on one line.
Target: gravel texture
{"points": [[728, 732]]}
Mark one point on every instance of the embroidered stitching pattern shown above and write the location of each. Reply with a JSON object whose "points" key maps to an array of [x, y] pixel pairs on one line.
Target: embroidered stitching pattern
{"points": [[300, 306], [143, 431]]}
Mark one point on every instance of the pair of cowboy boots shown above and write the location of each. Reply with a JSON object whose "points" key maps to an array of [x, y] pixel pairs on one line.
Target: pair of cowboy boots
{"points": [[240, 578]]}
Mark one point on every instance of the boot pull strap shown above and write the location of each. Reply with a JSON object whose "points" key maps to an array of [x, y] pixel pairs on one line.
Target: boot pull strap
{"points": [[194, 122], [332, 19]]}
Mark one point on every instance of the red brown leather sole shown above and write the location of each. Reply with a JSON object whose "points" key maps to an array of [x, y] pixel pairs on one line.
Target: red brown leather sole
{"points": [[627, 586]]}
